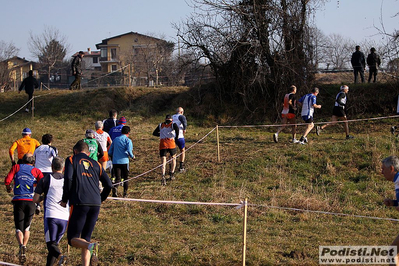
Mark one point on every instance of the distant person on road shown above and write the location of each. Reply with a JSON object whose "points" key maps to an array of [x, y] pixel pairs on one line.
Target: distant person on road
{"points": [[24, 145], [168, 132], [120, 151], [105, 142], [390, 170], [308, 103], [81, 178], [358, 62], [25, 176], [288, 114], [338, 112], [112, 121], [180, 120], [374, 62], [30, 84], [76, 67], [50, 189]]}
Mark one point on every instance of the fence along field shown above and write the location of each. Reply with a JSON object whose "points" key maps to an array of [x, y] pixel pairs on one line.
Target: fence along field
{"points": [[329, 175]]}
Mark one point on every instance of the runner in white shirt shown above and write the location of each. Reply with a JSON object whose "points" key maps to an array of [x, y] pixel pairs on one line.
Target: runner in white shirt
{"points": [[44, 154]]}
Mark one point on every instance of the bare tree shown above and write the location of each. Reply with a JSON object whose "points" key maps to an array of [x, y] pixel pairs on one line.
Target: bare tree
{"points": [[256, 48], [50, 48], [7, 51]]}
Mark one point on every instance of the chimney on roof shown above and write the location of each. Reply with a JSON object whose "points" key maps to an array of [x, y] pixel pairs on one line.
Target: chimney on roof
{"points": [[89, 50]]}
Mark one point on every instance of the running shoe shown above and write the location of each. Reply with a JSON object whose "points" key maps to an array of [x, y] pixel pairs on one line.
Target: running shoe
{"points": [[62, 261], [163, 181], [318, 129], [38, 208], [22, 254], [275, 137], [114, 192], [93, 249], [295, 141], [350, 137], [172, 176], [393, 128], [182, 170]]}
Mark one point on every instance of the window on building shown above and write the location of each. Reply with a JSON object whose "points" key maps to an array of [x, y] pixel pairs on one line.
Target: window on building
{"points": [[104, 52], [113, 53], [113, 68], [95, 60]]}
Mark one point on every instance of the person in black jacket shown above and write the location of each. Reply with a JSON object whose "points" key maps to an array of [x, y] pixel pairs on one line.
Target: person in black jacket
{"points": [[77, 70], [81, 188], [112, 121], [30, 84], [373, 61], [338, 112], [358, 63]]}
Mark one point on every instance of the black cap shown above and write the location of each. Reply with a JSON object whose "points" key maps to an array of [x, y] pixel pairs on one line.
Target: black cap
{"points": [[168, 117]]}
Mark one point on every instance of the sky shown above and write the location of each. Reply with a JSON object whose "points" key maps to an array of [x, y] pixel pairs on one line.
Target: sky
{"points": [[86, 23]]}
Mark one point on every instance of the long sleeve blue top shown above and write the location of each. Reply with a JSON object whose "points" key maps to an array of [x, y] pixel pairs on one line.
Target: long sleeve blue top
{"points": [[121, 149]]}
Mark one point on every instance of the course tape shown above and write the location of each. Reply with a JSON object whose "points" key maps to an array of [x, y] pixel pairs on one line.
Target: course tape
{"points": [[318, 123], [241, 204], [237, 205], [177, 156], [10, 264], [23, 106]]}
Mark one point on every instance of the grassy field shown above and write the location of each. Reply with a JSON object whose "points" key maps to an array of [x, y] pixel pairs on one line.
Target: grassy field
{"points": [[329, 174]]}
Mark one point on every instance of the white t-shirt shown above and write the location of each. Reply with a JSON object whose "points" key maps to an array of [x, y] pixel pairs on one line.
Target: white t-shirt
{"points": [[44, 155]]}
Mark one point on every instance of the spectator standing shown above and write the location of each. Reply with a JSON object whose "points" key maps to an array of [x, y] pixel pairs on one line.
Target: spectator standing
{"points": [[374, 62], [105, 142], [96, 151], [112, 121], [30, 84], [81, 178], [308, 102], [167, 132], [76, 68], [55, 216], [25, 176], [358, 62], [288, 114], [116, 131], [339, 112], [24, 145], [120, 151], [180, 120]]}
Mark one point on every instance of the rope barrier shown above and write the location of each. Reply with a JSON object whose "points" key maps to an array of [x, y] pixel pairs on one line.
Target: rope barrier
{"points": [[9, 264], [318, 123], [241, 204], [153, 169], [17, 110], [23, 106], [91, 80]]}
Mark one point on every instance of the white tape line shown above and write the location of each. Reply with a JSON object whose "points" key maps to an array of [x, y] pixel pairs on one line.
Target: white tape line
{"points": [[318, 123], [241, 204], [5, 263], [153, 169], [325, 212], [23, 106], [180, 202]]}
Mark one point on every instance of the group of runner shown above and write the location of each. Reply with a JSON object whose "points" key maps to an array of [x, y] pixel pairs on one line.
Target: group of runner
{"points": [[80, 182], [308, 104]]}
